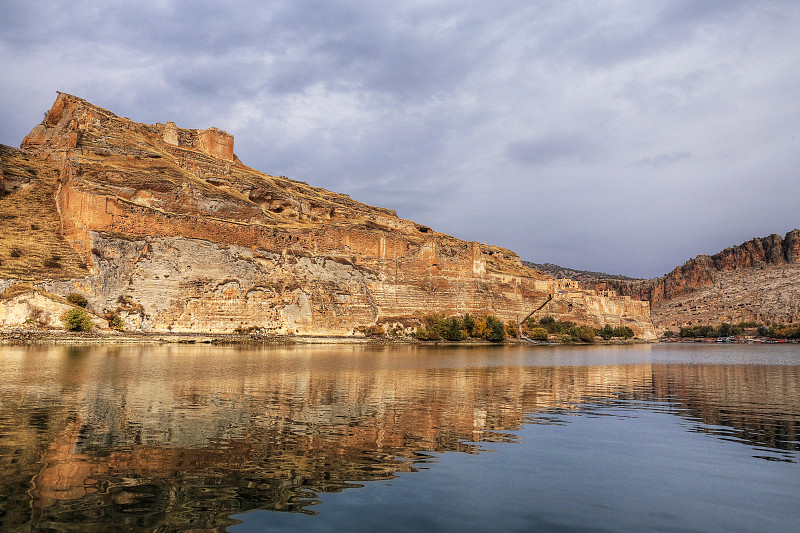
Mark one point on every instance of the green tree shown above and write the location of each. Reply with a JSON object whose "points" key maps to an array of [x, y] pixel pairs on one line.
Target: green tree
{"points": [[453, 330], [512, 329], [468, 322], [496, 330], [623, 331]]}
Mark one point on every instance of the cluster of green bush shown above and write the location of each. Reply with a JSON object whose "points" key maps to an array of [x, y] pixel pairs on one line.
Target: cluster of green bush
{"points": [[78, 319], [565, 330], [722, 330], [459, 328], [570, 332], [622, 332], [77, 299], [780, 331]]}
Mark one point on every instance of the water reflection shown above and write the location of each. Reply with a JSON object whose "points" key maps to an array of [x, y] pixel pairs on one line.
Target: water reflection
{"points": [[176, 438]]}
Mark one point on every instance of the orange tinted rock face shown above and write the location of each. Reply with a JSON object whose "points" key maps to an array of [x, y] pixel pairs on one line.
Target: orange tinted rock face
{"points": [[758, 280], [171, 224], [216, 143], [58, 132]]}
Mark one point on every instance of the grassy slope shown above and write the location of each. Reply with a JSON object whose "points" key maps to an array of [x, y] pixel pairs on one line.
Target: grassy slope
{"points": [[29, 223]]}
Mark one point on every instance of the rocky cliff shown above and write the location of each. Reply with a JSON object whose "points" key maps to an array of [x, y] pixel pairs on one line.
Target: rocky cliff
{"points": [[758, 280], [165, 226]]}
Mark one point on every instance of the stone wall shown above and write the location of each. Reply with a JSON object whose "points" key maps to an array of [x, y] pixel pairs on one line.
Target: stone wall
{"points": [[212, 141]]}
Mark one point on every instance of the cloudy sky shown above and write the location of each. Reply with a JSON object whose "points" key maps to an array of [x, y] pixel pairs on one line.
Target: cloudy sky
{"points": [[618, 136]]}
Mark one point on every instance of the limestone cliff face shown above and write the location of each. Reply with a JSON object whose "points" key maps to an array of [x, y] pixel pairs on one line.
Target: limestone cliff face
{"points": [[177, 235]]}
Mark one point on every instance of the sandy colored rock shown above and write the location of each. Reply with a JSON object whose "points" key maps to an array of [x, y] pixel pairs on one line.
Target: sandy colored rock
{"points": [[34, 309], [176, 234]]}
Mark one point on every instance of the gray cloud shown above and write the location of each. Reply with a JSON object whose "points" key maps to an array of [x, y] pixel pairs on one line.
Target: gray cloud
{"points": [[669, 158], [552, 147], [622, 137]]}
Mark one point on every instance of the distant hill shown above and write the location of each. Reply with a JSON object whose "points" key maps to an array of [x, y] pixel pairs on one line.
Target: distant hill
{"points": [[758, 280], [581, 275]]}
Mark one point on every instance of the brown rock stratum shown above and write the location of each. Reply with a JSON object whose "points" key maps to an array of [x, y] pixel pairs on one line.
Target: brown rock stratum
{"points": [[165, 226]]}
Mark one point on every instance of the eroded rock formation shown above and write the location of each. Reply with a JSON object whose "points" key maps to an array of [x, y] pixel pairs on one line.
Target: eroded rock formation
{"points": [[758, 280], [166, 227]]}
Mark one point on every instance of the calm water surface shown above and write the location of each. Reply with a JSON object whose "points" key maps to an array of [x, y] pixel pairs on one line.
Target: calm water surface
{"points": [[338, 438]]}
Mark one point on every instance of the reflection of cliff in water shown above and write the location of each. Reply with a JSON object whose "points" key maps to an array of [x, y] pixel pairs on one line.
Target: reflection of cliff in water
{"points": [[135, 440], [755, 404]]}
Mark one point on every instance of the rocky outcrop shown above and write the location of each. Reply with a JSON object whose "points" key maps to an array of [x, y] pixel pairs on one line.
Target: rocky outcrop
{"points": [[211, 141], [177, 235], [758, 280], [36, 308]]}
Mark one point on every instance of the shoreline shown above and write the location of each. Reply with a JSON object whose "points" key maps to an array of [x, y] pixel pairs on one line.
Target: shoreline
{"points": [[23, 336]]}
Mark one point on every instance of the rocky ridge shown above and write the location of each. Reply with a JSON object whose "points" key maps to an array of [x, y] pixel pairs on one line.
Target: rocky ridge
{"points": [[758, 280], [166, 227]]}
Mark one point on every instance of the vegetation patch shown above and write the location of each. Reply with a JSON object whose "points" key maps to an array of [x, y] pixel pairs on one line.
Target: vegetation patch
{"points": [[458, 328], [77, 319], [568, 332], [115, 322], [53, 262], [16, 290], [725, 329], [372, 331], [77, 299]]}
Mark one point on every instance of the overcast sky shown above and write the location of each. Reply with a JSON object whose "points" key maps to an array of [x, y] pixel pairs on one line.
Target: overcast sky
{"points": [[617, 136]]}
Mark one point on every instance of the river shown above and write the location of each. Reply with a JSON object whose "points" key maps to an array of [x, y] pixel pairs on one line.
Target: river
{"points": [[400, 438]]}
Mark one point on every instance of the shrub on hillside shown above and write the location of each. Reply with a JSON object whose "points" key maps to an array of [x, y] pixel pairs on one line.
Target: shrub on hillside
{"points": [[77, 299], [77, 319], [53, 262], [115, 322]]}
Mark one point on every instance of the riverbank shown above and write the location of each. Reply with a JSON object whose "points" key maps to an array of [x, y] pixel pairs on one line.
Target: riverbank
{"points": [[36, 336]]}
